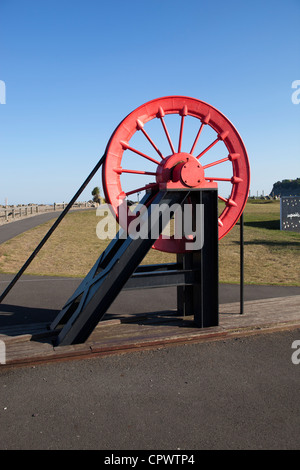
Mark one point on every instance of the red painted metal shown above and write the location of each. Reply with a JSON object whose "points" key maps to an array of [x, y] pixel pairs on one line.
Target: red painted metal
{"points": [[179, 169]]}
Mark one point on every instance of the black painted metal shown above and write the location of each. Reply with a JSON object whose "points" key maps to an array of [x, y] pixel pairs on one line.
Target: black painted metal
{"points": [[201, 298], [242, 264], [195, 273], [167, 278], [115, 266]]}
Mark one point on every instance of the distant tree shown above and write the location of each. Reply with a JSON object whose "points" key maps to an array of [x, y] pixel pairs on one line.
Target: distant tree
{"points": [[96, 195], [286, 187]]}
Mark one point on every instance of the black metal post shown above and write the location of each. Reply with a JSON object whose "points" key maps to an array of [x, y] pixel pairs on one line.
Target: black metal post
{"points": [[242, 264], [185, 303], [202, 298], [208, 294]]}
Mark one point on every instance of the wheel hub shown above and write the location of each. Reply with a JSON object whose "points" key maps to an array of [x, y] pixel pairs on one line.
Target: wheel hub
{"points": [[180, 170]]}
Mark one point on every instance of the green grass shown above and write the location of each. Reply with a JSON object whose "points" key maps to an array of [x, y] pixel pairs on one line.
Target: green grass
{"points": [[271, 256]]}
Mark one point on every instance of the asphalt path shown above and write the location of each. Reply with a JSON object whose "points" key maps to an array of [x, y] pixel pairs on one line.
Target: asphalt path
{"points": [[12, 229], [36, 299], [231, 394]]}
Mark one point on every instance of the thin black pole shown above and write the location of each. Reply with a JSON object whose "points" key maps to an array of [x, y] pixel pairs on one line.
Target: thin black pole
{"points": [[49, 233], [242, 264]]}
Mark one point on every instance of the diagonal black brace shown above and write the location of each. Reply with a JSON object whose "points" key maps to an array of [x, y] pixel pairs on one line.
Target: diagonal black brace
{"points": [[51, 230]]}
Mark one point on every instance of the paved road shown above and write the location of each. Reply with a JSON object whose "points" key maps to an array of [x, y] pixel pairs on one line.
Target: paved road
{"points": [[12, 229], [36, 299], [231, 394]]}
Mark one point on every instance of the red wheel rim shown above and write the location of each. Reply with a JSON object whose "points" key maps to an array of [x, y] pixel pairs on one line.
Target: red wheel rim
{"points": [[233, 151]]}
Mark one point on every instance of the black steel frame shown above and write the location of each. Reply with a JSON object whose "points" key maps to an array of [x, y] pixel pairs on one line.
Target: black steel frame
{"points": [[195, 274]]}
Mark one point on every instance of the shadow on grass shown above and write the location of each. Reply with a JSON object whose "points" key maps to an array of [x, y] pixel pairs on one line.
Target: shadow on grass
{"points": [[268, 224], [271, 243]]}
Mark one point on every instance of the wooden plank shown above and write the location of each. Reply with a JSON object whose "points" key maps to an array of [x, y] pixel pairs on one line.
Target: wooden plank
{"points": [[30, 352], [27, 351], [31, 344], [262, 311], [26, 333]]}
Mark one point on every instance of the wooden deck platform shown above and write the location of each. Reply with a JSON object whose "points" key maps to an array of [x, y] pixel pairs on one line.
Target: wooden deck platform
{"points": [[32, 344]]}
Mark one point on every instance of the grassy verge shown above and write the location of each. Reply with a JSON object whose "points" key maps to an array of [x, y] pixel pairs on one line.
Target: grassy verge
{"points": [[271, 256]]}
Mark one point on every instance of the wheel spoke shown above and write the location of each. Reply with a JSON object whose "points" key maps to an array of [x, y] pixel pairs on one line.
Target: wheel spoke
{"points": [[183, 114], [228, 202], [221, 136], [231, 157], [140, 126], [126, 146], [180, 134], [197, 138], [208, 148], [140, 189], [135, 172], [161, 114], [216, 179], [216, 163], [233, 180], [205, 120]]}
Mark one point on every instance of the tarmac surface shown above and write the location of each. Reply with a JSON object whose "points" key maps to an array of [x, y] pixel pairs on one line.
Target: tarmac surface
{"points": [[12, 229], [233, 394], [238, 393], [36, 299]]}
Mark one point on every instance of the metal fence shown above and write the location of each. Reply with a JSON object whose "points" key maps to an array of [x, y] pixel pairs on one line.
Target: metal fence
{"points": [[11, 213]]}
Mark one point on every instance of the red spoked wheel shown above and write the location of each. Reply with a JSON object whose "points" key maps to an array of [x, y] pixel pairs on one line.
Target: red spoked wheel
{"points": [[206, 150]]}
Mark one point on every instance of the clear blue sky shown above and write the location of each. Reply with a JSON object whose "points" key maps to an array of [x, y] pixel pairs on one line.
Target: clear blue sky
{"points": [[74, 69]]}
